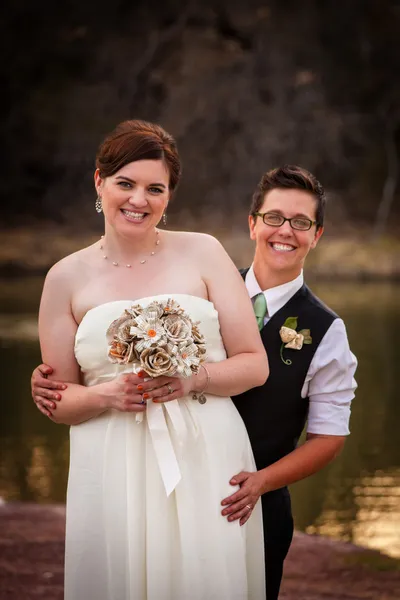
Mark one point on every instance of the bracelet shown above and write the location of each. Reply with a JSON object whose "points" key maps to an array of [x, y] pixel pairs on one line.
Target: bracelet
{"points": [[200, 396]]}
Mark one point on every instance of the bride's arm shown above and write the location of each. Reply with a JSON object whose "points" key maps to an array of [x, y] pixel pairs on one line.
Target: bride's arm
{"points": [[57, 329], [247, 364]]}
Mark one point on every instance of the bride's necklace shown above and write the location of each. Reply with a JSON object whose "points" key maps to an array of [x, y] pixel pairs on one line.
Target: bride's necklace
{"points": [[115, 263]]}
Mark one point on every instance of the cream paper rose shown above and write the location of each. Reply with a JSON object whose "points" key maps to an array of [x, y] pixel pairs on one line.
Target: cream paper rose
{"points": [[115, 325], [121, 352], [156, 361], [123, 332], [178, 328]]}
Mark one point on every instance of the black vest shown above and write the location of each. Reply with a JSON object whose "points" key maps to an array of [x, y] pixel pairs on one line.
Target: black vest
{"points": [[275, 413]]}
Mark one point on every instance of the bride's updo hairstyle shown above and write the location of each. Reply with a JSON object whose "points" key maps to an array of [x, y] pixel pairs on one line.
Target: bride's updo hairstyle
{"points": [[138, 140]]}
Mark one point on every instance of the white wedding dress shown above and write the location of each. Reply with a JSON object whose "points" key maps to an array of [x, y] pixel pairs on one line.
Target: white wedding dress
{"points": [[126, 538]]}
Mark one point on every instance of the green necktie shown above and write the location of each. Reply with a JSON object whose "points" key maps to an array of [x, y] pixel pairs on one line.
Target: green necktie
{"points": [[260, 309]]}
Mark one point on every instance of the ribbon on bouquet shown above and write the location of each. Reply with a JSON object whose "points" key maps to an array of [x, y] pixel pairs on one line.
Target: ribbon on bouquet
{"points": [[161, 438]]}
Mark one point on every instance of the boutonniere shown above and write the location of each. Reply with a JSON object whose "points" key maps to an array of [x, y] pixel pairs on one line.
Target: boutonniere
{"points": [[293, 339]]}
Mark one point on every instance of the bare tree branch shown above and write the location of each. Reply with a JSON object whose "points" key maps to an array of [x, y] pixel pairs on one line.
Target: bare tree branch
{"points": [[390, 184], [157, 40]]}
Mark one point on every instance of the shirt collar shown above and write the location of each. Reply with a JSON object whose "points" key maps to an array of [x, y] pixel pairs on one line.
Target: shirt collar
{"points": [[276, 297]]}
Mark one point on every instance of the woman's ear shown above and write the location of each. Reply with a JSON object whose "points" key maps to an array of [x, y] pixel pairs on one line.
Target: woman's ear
{"points": [[252, 224], [318, 234], [98, 181]]}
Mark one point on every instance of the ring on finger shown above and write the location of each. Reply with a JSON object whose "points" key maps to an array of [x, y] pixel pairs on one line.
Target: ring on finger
{"points": [[249, 507], [170, 389], [143, 401]]}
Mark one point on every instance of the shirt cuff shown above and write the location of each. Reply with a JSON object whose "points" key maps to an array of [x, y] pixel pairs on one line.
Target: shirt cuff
{"points": [[329, 418]]}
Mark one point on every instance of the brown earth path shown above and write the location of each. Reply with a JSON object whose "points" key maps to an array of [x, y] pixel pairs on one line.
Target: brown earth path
{"points": [[32, 549]]}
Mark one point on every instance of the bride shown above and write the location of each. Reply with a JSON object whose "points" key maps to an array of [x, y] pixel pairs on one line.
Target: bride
{"points": [[143, 502]]}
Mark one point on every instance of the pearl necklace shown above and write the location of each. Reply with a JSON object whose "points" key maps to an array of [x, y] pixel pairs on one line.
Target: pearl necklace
{"points": [[115, 263]]}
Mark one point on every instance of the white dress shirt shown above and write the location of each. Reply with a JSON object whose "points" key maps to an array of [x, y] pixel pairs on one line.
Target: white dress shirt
{"points": [[329, 382]]}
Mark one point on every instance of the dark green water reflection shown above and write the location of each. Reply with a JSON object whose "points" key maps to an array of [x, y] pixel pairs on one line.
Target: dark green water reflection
{"points": [[357, 498]]}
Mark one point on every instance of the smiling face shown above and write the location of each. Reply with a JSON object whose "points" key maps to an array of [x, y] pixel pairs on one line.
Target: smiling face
{"points": [[135, 197], [281, 251]]}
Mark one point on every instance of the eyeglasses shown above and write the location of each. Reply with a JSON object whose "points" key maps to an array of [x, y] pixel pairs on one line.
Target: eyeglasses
{"points": [[275, 220]]}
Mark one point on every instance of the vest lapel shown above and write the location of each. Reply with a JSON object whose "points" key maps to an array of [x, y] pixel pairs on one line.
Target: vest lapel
{"points": [[278, 315]]}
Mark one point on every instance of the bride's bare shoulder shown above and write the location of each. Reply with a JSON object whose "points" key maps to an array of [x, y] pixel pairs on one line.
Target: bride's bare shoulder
{"points": [[206, 253], [73, 266], [194, 242]]}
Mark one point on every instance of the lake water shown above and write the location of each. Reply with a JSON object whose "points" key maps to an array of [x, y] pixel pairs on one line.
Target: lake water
{"points": [[356, 498]]}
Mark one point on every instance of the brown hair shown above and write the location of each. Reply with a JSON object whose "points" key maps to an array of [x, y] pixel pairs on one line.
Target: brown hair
{"points": [[290, 177], [138, 140]]}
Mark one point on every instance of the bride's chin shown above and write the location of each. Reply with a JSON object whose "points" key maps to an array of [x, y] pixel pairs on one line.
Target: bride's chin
{"points": [[131, 229]]}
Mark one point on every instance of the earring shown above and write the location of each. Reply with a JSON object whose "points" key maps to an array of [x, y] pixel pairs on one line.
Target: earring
{"points": [[164, 219], [98, 204]]}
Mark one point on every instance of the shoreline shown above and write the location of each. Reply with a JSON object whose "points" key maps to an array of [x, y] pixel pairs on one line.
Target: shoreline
{"points": [[14, 271], [354, 256], [32, 554]]}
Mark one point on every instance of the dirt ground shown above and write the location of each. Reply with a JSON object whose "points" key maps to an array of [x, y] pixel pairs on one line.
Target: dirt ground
{"points": [[32, 551]]}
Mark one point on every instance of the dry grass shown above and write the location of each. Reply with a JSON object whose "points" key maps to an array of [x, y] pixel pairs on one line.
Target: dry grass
{"points": [[38, 248], [352, 257], [356, 257]]}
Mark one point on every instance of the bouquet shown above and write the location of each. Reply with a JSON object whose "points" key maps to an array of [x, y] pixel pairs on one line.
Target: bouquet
{"points": [[160, 339]]}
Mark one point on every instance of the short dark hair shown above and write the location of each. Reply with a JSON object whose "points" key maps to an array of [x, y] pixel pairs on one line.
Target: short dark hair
{"points": [[290, 177], [138, 140]]}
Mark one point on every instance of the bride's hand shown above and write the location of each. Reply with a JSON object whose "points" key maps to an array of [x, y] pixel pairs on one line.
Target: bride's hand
{"points": [[165, 389], [124, 393], [43, 389]]}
